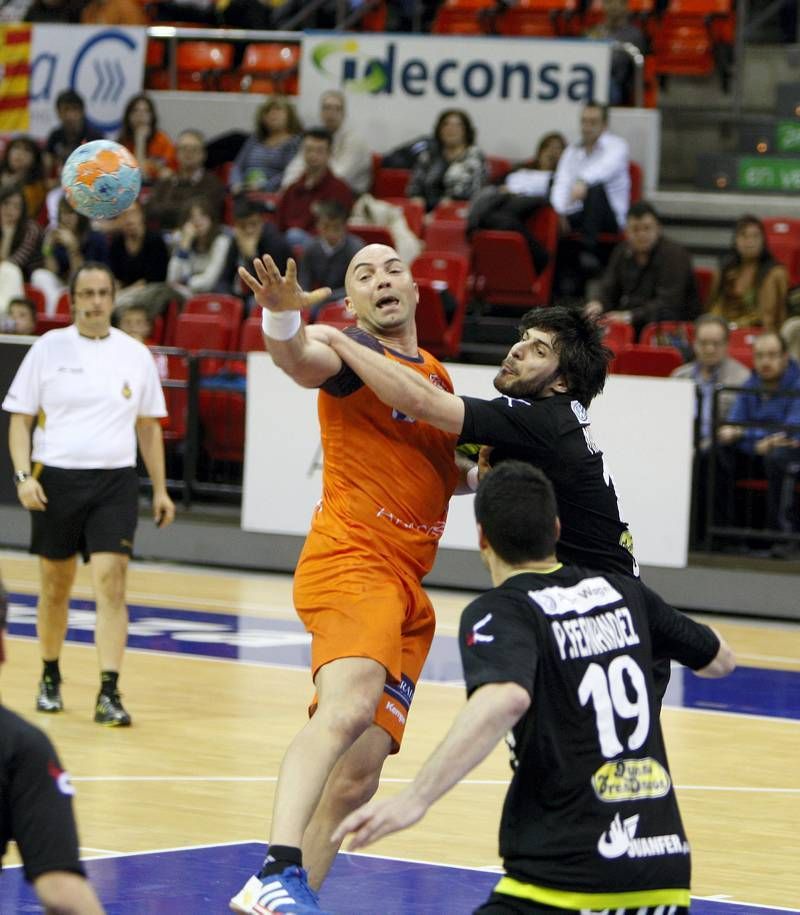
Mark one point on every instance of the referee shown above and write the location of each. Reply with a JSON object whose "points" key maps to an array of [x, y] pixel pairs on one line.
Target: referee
{"points": [[91, 392], [561, 657], [36, 812]]}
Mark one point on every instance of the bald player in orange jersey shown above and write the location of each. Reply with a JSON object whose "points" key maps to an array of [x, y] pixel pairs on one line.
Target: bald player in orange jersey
{"points": [[387, 480]]}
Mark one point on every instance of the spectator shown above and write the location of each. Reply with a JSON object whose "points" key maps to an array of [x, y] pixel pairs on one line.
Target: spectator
{"points": [[617, 26], [761, 450], [751, 287], [252, 237], [201, 249], [534, 177], [22, 165], [137, 256], [261, 161], [52, 11], [135, 321], [140, 135], [167, 203], [295, 210], [21, 317], [12, 285], [38, 814], [73, 130], [326, 258], [20, 237], [65, 247], [649, 277], [592, 186], [452, 168], [351, 159]]}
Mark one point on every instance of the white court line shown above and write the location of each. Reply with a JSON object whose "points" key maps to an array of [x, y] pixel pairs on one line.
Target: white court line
{"points": [[746, 789]]}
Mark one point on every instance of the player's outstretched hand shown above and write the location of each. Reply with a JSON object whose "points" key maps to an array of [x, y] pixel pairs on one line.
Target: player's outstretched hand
{"points": [[381, 818], [279, 293]]}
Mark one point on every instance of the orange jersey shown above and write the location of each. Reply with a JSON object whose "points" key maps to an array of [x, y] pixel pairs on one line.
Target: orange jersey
{"points": [[387, 479]]}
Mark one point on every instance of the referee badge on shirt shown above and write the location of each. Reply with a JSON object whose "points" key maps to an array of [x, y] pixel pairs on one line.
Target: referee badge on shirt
{"points": [[126, 390]]}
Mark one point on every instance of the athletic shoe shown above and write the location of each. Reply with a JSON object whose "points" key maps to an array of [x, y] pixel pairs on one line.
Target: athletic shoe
{"points": [[109, 711], [287, 893], [49, 698]]}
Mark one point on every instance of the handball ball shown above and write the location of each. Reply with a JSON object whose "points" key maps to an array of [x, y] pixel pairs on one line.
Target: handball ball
{"points": [[101, 179]]}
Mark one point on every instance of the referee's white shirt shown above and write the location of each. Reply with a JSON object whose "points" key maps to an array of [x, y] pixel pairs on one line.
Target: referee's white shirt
{"points": [[88, 394]]}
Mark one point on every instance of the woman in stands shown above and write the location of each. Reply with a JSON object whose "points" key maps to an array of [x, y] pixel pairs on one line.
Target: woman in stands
{"points": [[140, 135], [22, 164], [201, 249], [20, 237], [452, 168], [260, 164], [751, 287], [65, 248]]}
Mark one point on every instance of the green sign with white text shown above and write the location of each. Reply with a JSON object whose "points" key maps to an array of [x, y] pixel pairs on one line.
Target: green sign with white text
{"points": [[762, 173], [788, 136]]}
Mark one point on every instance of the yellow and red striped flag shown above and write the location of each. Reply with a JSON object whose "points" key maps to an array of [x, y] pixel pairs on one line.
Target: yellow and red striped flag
{"points": [[15, 46]]}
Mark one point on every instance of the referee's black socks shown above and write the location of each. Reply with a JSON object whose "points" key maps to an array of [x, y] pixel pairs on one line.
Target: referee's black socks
{"points": [[108, 683], [51, 673]]}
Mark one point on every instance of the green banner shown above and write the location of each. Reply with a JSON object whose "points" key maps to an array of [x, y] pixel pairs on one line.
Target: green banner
{"points": [[762, 173], [787, 135]]}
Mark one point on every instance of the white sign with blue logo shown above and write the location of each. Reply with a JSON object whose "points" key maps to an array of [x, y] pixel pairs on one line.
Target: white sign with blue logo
{"points": [[514, 89], [103, 63]]}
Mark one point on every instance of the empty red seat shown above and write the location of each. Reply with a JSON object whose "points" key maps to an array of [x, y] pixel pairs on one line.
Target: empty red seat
{"points": [[783, 239], [371, 235], [451, 209], [390, 182], [744, 336], [227, 309], [252, 336], [336, 314], [64, 304], [617, 335], [222, 419], [200, 64], [51, 322], [447, 235], [703, 278], [413, 211], [36, 296], [266, 68], [437, 331], [198, 332], [638, 359], [449, 269]]}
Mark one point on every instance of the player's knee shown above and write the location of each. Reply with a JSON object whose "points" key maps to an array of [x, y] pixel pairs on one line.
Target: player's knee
{"points": [[355, 787], [348, 722], [64, 893]]}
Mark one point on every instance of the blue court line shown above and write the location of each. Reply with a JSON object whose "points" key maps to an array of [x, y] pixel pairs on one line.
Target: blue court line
{"points": [[749, 690], [199, 880]]}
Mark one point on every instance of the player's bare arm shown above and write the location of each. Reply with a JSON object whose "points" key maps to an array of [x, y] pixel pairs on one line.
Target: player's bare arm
{"points": [[302, 356], [723, 662], [401, 387], [491, 711]]}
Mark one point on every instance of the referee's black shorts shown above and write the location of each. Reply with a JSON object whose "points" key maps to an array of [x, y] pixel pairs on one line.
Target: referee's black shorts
{"points": [[88, 511], [502, 904]]}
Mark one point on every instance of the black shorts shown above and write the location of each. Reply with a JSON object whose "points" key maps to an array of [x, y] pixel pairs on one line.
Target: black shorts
{"points": [[88, 511], [502, 904]]}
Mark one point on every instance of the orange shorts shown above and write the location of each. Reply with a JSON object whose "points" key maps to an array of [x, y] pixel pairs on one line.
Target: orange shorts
{"points": [[357, 605]]}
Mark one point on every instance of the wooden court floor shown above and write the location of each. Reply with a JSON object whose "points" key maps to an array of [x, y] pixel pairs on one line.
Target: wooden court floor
{"points": [[199, 764]]}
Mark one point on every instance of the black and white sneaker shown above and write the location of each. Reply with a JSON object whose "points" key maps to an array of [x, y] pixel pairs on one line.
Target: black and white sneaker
{"points": [[110, 712], [49, 698]]}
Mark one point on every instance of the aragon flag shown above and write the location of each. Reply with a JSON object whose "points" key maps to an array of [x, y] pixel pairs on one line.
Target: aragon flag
{"points": [[15, 46]]}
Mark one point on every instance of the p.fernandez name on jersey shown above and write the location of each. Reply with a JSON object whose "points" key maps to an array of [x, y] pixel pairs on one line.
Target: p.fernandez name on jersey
{"points": [[553, 434], [590, 808]]}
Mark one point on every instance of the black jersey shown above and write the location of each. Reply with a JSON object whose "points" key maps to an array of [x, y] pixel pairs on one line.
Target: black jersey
{"points": [[553, 434], [590, 808], [35, 800]]}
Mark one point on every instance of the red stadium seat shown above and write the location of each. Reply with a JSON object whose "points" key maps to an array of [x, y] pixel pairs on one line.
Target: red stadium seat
{"points": [[64, 305], [447, 235], [637, 359], [437, 332], [617, 335], [200, 64], [36, 296], [447, 268], [743, 354], [655, 333], [744, 336], [227, 309], [222, 418], [499, 167], [197, 332], [783, 239], [413, 211], [451, 209], [266, 68], [390, 182], [156, 73], [337, 315], [703, 278], [371, 235], [51, 322], [252, 336]]}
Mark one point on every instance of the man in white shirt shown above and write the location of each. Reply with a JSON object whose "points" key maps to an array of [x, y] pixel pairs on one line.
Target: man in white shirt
{"points": [[351, 159], [592, 188], [93, 391]]}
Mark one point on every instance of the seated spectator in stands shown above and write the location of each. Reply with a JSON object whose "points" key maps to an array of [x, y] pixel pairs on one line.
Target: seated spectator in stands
{"points": [[350, 160], [252, 237], [791, 334], [534, 177], [200, 250], [20, 237], [649, 277], [72, 131], [261, 161], [452, 167], [712, 368], [22, 165], [295, 210], [592, 187], [326, 258], [749, 451], [140, 135], [53, 11], [751, 287], [21, 317], [65, 248], [618, 26], [136, 322], [170, 195], [136, 255]]}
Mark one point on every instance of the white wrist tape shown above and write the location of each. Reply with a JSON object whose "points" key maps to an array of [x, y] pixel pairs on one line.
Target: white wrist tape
{"points": [[281, 325], [472, 478]]}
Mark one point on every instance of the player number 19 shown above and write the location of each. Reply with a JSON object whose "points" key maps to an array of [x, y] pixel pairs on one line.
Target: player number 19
{"points": [[607, 691]]}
